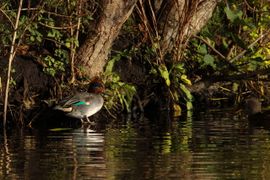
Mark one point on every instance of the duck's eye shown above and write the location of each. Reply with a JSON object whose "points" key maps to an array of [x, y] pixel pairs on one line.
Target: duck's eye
{"points": [[95, 86]]}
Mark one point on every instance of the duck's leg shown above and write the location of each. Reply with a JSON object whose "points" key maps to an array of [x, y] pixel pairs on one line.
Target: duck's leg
{"points": [[89, 121], [83, 121], [86, 120]]}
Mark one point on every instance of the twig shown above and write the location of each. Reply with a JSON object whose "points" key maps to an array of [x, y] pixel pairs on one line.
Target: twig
{"points": [[58, 28], [7, 17], [11, 57], [223, 58], [250, 46], [73, 46], [152, 32], [249, 6], [209, 45]]}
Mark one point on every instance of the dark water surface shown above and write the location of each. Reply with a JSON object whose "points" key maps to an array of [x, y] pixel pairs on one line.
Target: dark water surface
{"points": [[218, 144]]}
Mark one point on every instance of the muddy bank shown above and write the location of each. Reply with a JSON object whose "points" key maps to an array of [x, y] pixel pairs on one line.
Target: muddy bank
{"points": [[29, 86], [31, 91], [27, 79]]}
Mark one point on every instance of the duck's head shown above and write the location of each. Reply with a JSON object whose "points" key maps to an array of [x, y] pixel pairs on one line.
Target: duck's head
{"points": [[96, 86], [253, 106]]}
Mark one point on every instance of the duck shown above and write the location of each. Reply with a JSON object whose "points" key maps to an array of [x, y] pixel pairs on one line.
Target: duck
{"points": [[254, 110], [82, 105]]}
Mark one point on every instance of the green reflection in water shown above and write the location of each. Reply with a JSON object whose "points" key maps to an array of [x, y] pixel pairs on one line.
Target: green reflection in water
{"points": [[218, 144]]}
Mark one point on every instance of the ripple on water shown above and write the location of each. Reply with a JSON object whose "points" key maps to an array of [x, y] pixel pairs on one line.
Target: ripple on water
{"points": [[208, 145]]}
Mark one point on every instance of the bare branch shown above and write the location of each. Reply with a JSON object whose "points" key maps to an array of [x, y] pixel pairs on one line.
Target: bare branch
{"points": [[11, 57], [250, 46], [7, 17]]}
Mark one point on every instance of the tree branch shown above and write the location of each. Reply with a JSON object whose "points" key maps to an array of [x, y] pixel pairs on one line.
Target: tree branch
{"points": [[11, 57]]}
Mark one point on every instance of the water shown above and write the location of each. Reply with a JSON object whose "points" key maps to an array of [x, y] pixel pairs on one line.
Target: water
{"points": [[218, 144]]}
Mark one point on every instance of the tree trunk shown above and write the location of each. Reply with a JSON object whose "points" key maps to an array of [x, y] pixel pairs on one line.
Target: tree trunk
{"points": [[180, 20], [172, 22], [92, 55]]}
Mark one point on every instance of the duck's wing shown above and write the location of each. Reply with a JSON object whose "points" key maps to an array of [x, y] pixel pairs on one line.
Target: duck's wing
{"points": [[75, 100]]}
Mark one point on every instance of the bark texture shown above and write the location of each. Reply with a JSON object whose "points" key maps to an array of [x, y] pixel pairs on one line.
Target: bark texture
{"points": [[92, 55], [170, 22], [180, 19]]}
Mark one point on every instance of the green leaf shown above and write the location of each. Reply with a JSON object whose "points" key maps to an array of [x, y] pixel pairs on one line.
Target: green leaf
{"points": [[180, 67], [209, 60], [202, 49], [50, 34], [39, 39], [129, 93], [235, 87], [164, 74], [32, 38], [185, 79], [67, 44], [189, 105], [188, 98], [110, 65], [233, 15], [76, 43]]}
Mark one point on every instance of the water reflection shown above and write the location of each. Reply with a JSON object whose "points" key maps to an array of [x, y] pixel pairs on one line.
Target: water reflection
{"points": [[206, 145], [53, 155]]}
